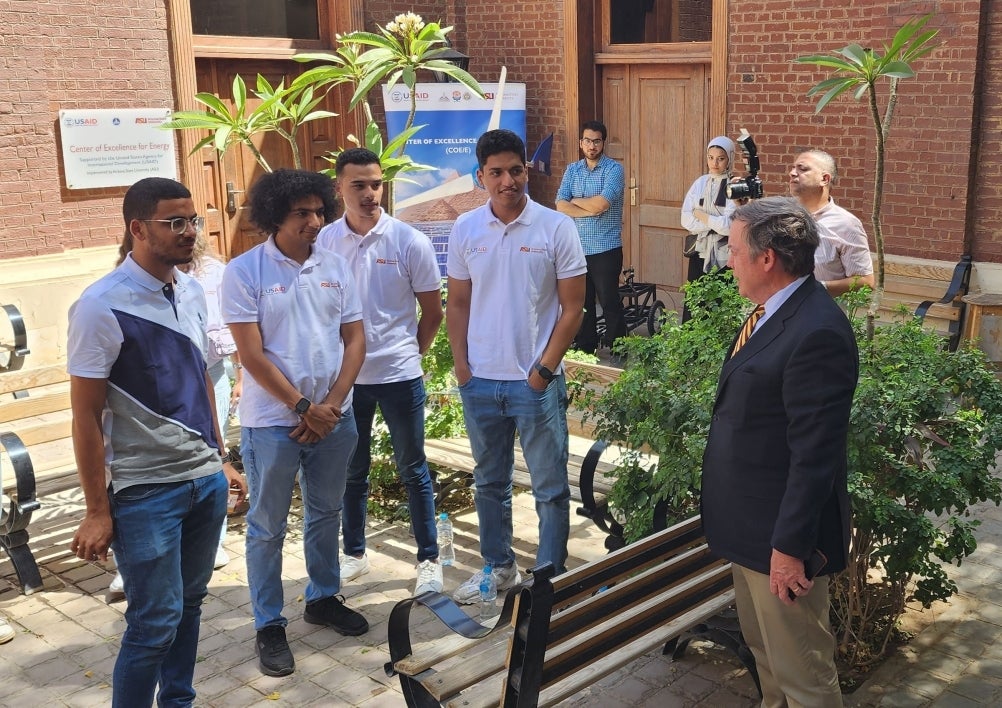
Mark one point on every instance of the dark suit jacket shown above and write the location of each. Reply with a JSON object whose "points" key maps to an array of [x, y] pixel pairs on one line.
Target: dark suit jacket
{"points": [[774, 470]]}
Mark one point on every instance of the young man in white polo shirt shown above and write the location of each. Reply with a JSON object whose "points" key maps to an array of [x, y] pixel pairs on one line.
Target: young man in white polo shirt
{"points": [[516, 292], [393, 265], [295, 316]]}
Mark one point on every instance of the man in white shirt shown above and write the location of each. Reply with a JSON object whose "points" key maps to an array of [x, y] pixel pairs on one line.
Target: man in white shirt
{"points": [[295, 316], [516, 293], [394, 265], [842, 261]]}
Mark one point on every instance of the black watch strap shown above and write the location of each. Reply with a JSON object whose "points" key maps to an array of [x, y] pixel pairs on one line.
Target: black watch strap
{"points": [[544, 373]]}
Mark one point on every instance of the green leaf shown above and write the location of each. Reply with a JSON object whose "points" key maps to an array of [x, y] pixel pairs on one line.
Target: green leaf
{"points": [[856, 55], [831, 94], [239, 94], [898, 70]]}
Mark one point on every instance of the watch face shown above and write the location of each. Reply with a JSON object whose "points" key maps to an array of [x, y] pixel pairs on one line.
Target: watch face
{"points": [[302, 406]]}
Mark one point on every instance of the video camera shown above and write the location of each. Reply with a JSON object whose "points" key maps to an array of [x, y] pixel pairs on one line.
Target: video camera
{"points": [[749, 187]]}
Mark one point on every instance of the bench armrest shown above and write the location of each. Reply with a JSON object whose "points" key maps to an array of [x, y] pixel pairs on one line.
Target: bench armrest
{"points": [[24, 475], [959, 285], [19, 350], [448, 612]]}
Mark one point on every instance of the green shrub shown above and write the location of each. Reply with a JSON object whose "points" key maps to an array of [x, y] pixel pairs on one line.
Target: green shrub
{"points": [[925, 427]]}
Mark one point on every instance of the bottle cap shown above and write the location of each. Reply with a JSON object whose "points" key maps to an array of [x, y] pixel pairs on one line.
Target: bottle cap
{"points": [[443, 516]]}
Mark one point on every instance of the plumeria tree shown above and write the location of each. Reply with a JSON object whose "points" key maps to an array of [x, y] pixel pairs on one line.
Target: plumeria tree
{"points": [[395, 54], [860, 69], [283, 110]]}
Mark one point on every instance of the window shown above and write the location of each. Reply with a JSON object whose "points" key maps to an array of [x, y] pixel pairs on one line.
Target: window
{"points": [[293, 19], [660, 21]]}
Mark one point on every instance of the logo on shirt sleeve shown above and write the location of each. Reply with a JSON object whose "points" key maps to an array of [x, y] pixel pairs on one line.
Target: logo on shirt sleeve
{"points": [[330, 284], [387, 261], [528, 249]]}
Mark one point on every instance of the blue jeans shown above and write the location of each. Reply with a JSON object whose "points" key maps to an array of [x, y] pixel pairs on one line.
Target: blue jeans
{"points": [[402, 406], [494, 410], [272, 460], [164, 543]]}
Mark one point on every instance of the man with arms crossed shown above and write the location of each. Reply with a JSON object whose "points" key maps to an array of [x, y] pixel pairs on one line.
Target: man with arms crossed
{"points": [[516, 287], [842, 261], [592, 193], [774, 495], [394, 265], [147, 442], [297, 322]]}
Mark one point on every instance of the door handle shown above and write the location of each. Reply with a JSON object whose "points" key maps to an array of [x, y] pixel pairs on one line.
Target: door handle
{"points": [[231, 198], [633, 191]]}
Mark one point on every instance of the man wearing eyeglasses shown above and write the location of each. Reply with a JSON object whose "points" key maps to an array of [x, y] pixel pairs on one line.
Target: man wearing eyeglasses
{"points": [[591, 192], [295, 316], [147, 442]]}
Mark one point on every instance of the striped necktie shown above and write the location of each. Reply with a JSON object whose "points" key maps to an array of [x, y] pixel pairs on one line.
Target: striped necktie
{"points": [[746, 330]]}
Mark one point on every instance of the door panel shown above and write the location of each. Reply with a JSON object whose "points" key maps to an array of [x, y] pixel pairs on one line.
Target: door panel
{"points": [[665, 131]]}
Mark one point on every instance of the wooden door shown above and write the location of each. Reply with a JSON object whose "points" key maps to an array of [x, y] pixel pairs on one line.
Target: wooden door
{"points": [[228, 177], [657, 119]]}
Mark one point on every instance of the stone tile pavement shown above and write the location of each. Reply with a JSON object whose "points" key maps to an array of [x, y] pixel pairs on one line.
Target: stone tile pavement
{"points": [[68, 633]]}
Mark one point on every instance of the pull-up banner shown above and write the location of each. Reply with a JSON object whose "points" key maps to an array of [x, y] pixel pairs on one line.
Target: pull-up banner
{"points": [[453, 118]]}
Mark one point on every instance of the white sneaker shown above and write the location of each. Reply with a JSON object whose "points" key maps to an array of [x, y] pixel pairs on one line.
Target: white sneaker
{"points": [[222, 558], [469, 592], [429, 577], [116, 591], [6, 631], [352, 567]]}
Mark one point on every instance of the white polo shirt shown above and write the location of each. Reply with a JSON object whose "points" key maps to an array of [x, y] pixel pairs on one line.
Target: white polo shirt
{"points": [[300, 310], [514, 270], [390, 264]]}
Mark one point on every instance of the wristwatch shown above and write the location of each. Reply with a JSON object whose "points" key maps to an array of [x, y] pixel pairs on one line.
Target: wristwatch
{"points": [[302, 406], [543, 372]]}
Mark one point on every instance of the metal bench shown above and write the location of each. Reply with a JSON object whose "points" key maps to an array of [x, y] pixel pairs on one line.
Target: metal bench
{"points": [[35, 414], [557, 635]]}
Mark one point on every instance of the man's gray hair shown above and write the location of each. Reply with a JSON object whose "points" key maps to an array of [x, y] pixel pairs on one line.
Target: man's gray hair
{"points": [[827, 161], [782, 224]]}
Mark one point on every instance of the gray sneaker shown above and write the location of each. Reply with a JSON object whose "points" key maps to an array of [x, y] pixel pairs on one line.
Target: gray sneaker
{"points": [[429, 577], [469, 592]]}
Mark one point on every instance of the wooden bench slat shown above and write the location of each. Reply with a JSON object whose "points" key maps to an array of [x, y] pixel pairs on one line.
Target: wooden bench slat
{"points": [[645, 644], [487, 659], [34, 405], [632, 592], [455, 454], [32, 378], [44, 432], [591, 643], [426, 654]]}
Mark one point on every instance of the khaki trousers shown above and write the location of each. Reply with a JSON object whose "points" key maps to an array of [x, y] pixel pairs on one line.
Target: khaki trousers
{"points": [[793, 646]]}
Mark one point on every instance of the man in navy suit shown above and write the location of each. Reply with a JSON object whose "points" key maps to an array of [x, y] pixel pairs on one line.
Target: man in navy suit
{"points": [[775, 501]]}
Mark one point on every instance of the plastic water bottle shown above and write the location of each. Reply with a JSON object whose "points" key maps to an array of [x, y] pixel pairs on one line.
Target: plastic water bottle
{"points": [[488, 595], [446, 549]]}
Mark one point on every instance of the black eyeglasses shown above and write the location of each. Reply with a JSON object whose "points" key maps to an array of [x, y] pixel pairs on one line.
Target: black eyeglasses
{"points": [[180, 224], [592, 141]]}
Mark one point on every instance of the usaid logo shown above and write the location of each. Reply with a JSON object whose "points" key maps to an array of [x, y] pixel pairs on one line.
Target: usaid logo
{"points": [[398, 95], [79, 122]]}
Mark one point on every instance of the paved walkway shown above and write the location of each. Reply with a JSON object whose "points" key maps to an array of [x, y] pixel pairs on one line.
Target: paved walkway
{"points": [[68, 633]]}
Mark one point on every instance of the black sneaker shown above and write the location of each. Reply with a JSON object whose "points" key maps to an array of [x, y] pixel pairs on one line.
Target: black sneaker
{"points": [[274, 655], [331, 612]]}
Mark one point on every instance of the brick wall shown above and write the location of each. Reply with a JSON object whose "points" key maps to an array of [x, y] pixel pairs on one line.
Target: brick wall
{"points": [[527, 37], [929, 146], [57, 55]]}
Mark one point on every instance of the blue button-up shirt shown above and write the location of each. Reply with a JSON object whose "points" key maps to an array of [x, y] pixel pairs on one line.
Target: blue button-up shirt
{"points": [[603, 232]]}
